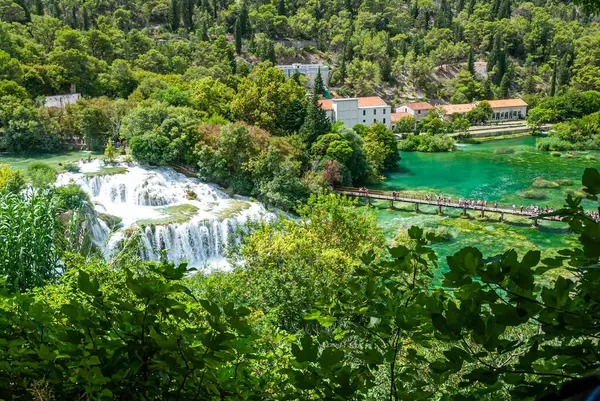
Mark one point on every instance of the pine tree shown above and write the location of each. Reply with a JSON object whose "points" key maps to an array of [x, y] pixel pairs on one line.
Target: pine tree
{"points": [[244, 21], [495, 9], [39, 7], [296, 77], [563, 75], [237, 32], [488, 93], [504, 11], [318, 84], [530, 86], [553, 85], [187, 11], [471, 6], [86, 17], [471, 63], [281, 7], [504, 86], [316, 122], [175, 14]]}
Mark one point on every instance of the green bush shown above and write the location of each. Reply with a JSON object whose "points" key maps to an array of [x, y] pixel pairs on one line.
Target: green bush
{"points": [[555, 154], [541, 183], [40, 174], [504, 151], [564, 181], [11, 180], [426, 143], [532, 194], [72, 167], [71, 197]]}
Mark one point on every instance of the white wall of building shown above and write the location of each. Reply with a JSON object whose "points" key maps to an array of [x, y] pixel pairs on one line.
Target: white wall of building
{"points": [[310, 71], [375, 114], [509, 113], [346, 111], [417, 114]]}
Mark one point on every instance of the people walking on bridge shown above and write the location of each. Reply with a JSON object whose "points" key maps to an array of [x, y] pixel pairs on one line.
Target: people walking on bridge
{"points": [[495, 205]]}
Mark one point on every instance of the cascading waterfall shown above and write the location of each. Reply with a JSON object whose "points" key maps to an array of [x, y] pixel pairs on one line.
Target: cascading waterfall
{"points": [[176, 216]]}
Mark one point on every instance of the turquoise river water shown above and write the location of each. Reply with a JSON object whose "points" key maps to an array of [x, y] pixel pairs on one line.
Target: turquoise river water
{"points": [[483, 172]]}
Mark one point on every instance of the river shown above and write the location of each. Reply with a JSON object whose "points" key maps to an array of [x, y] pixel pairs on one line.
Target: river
{"points": [[483, 172]]}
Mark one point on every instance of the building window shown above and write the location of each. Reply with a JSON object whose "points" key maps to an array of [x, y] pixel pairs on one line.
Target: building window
{"points": [[384, 120], [418, 111], [374, 111], [364, 112], [374, 120], [364, 121], [383, 111]]}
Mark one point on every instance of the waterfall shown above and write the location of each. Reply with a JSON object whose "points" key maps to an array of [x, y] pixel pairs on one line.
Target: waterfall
{"points": [[176, 216]]}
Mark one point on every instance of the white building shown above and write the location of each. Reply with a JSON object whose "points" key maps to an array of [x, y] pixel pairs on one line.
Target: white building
{"points": [[308, 70], [502, 110], [362, 110], [418, 110], [508, 109], [61, 101]]}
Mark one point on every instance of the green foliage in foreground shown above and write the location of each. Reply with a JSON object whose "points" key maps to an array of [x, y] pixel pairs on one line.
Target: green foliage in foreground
{"points": [[29, 238], [374, 324]]}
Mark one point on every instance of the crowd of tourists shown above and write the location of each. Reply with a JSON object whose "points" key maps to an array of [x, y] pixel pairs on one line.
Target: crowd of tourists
{"points": [[593, 215]]}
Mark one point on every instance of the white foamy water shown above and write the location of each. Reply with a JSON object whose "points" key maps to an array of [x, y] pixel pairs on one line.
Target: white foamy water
{"points": [[144, 199]]}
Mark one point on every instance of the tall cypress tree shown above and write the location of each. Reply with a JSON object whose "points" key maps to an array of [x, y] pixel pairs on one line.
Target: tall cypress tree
{"points": [[187, 11], [39, 7], [86, 17], [281, 7], [471, 6], [316, 122], [553, 84], [471, 63], [505, 86], [175, 14], [504, 11], [318, 84], [237, 32], [244, 21]]}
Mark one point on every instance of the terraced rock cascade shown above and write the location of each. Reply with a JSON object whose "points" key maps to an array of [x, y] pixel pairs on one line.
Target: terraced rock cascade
{"points": [[176, 216]]}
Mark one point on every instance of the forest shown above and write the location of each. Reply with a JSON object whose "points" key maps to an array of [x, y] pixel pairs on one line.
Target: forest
{"points": [[318, 307]]}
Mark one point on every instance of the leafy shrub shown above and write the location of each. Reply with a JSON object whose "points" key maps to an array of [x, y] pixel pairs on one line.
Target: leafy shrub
{"points": [[72, 167], [541, 183], [564, 181], [41, 174], [532, 194], [71, 197], [426, 143], [11, 180], [555, 154]]}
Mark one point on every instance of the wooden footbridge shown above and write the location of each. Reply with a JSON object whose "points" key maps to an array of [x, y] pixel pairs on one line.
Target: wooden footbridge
{"points": [[465, 206]]}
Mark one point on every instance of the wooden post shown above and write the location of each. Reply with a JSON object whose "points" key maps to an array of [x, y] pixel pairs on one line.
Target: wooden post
{"points": [[391, 204], [502, 216], [439, 209], [416, 208], [465, 211], [482, 214], [535, 222]]}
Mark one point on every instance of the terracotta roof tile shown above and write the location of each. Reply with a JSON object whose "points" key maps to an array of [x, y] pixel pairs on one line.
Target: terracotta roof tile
{"points": [[450, 109], [371, 101], [398, 115], [419, 106], [507, 103], [326, 104]]}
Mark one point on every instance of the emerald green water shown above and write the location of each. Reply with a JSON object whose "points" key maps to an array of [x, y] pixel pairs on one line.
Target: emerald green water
{"points": [[477, 171]]}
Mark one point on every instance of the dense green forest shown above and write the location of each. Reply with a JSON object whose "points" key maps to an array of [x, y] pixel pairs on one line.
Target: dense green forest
{"points": [[315, 308]]}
